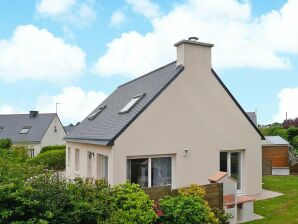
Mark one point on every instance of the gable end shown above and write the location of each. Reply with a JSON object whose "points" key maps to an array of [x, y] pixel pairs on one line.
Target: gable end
{"points": [[237, 104]]}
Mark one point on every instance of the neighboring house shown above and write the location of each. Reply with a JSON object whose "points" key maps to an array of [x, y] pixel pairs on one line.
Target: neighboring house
{"points": [[35, 130], [276, 149], [68, 128], [176, 125], [253, 117]]}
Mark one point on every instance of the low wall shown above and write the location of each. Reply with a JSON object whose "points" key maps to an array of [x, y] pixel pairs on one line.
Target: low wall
{"points": [[214, 194]]}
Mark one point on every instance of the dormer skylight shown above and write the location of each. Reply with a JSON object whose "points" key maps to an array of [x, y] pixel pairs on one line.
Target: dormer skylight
{"points": [[131, 103], [25, 130], [96, 112]]}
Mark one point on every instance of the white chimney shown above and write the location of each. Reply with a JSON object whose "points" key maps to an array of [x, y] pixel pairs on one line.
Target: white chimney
{"points": [[192, 52]]}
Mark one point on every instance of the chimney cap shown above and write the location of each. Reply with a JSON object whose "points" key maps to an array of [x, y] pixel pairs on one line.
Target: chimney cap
{"points": [[193, 40]]}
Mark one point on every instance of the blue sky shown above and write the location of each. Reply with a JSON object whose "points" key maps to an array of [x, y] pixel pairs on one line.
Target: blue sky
{"points": [[75, 52]]}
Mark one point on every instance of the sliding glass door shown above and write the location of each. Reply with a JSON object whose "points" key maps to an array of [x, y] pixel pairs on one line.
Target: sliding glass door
{"points": [[231, 162]]}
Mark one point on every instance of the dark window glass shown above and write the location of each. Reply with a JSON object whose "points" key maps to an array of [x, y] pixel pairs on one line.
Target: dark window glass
{"points": [[235, 167], [224, 161], [138, 171]]}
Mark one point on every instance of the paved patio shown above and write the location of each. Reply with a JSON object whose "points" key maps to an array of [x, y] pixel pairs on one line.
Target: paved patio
{"points": [[265, 194]]}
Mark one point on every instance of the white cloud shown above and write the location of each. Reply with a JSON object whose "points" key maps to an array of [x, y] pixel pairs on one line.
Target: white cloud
{"points": [[117, 18], [145, 7], [75, 105], [34, 53], [240, 39], [288, 99], [54, 7], [72, 12], [7, 109]]}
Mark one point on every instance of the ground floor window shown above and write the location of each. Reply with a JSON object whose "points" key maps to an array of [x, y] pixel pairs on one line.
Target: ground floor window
{"points": [[150, 171], [102, 166], [231, 162], [77, 159]]}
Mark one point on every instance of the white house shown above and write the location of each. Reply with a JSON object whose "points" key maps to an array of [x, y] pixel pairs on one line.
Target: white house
{"points": [[176, 125], [34, 130]]}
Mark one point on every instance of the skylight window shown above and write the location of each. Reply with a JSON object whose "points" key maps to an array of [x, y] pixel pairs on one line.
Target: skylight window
{"points": [[25, 130], [131, 104], [96, 112]]}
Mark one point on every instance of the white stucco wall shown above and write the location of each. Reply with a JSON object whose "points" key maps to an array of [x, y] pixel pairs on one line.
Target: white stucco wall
{"points": [[83, 154], [193, 113], [51, 137]]}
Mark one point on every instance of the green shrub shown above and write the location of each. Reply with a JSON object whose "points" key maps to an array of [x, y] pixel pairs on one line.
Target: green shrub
{"points": [[5, 143], [185, 209], [193, 189], [53, 160], [131, 205], [52, 147], [223, 218]]}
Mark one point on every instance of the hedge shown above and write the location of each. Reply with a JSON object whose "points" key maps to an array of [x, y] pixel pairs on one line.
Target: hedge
{"points": [[52, 147], [5, 143], [53, 159]]}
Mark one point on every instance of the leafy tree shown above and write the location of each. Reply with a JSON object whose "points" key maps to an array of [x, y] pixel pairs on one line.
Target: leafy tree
{"points": [[5, 143], [275, 130]]}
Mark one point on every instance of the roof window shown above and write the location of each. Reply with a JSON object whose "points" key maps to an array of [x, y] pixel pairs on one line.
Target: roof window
{"points": [[131, 103], [96, 112], [25, 130]]}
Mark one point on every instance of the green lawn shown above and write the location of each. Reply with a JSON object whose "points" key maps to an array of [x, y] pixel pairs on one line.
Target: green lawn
{"points": [[282, 209]]}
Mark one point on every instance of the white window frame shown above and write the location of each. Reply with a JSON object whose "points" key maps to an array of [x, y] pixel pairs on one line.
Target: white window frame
{"points": [[99, 168], [77, 159], [68, 155], [150, 157], [239, 191]]}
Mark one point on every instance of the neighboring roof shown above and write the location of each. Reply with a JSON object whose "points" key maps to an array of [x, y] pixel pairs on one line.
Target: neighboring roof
{"points": [[106, 127], [13, 123], [68, 128], [274, 140], [253, 117]]}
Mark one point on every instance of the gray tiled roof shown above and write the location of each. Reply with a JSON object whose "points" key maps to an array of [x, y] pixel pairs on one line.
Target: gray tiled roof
{"points": [[12, 124], [274, 140], [253, 117], [109, 124]]}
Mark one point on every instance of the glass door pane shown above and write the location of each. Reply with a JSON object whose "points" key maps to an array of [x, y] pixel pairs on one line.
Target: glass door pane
{"points": [[138, 171], [223, 162], [161, 171], [236, 167]]}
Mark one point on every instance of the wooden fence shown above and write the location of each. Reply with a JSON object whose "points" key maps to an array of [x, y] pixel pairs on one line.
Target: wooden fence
{"points": [[214, 194], [266, 166]]}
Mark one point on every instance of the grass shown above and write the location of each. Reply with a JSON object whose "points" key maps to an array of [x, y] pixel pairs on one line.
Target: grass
{"points": [[282, 209]]}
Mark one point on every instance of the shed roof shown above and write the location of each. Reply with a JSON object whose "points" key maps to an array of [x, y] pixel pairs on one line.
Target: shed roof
{"points": [[274, 140], [12, 124]]}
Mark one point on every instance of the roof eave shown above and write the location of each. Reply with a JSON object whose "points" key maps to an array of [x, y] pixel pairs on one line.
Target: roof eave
{"points": [[89, 141]]}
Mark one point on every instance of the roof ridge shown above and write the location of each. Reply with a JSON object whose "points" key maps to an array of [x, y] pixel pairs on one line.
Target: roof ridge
{"points": [[159, 68], [25, 114]]}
